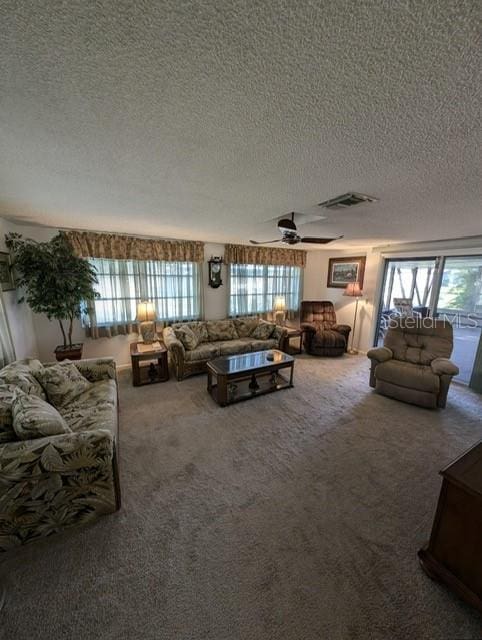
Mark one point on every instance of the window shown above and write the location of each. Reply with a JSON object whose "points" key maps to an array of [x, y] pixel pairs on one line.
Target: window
{"points": [[173, 287], [254, 287]]}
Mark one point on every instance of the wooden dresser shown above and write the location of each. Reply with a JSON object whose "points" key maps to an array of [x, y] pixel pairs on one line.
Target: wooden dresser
{"points": [[454, 552]]}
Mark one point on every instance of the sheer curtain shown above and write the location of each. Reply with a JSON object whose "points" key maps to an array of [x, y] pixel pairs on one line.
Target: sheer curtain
{"points": [[254, 288], [175, 288], [7, 351]]}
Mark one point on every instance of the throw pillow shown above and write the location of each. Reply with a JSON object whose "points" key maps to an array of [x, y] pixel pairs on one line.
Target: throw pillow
{"points": [[246, 326], [200, 330], [23, 374], [263, 331], [187, 336], [35, 418], [62, 383], [221, 330]]}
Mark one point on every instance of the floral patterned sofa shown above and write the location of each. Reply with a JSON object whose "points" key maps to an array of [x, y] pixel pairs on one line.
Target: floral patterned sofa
{"points": [[192, 344], [50, 482]]}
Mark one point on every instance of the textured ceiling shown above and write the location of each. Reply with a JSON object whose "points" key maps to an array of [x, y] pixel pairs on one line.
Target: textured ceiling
{"points": [[204, 119]]}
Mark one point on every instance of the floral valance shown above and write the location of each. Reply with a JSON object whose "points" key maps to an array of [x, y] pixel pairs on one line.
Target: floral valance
{"points": [[113, 246], [245, 254]]}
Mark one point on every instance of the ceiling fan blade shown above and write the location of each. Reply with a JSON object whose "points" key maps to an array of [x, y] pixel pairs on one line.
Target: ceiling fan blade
{"points": [[312, 240], [265, 241]]}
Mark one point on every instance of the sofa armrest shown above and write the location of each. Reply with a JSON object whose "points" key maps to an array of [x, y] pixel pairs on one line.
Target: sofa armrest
{"points": [[279, 334], [172, 343], [380, 354], [444, 366], [51, 483], [95, 369], [64, 453], [308, 327]]}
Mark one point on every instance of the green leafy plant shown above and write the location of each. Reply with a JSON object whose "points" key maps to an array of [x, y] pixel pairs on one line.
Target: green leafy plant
{"points": [[56, 281]]}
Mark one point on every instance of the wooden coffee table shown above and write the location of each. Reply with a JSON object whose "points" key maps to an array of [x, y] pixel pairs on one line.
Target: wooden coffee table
{"points": [[248, 375]]}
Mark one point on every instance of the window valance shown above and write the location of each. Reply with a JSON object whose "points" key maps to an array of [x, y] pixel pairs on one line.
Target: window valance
{"points": [[245, 254], [112, 246]]}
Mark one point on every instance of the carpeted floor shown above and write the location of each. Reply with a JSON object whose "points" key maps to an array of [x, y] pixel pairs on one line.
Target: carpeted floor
{"points": [[294, 516]]}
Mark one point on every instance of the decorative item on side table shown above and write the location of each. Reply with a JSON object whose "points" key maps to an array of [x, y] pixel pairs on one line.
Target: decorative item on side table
{"points": [[279, 311], [146, 316], [156, 368], [343, 271], [353, 290], [56, 282], [215, 272]]}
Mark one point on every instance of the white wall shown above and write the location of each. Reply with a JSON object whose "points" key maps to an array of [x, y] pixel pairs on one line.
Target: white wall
{"points": [[315, 288]]}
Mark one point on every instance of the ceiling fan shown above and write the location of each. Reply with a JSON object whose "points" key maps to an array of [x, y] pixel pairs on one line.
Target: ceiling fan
{"points": [[289, 234]]}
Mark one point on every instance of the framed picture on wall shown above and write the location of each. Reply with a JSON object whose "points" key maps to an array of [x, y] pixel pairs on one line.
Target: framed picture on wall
{"points": [[6, 272], [343, 271]]}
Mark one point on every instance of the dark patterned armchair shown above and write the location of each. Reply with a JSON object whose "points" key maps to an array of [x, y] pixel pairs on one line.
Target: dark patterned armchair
{"points": [[322, 336]]}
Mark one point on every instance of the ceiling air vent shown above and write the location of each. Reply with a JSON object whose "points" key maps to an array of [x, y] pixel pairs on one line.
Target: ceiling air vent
{"points": [[347, 200]]}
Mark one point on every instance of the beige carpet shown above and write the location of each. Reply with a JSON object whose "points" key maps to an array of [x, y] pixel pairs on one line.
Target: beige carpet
{"points": [[294, 516]]}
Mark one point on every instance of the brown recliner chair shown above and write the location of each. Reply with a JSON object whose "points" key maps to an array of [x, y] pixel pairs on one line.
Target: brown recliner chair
{"points": [[322, 336], [413, 365]]}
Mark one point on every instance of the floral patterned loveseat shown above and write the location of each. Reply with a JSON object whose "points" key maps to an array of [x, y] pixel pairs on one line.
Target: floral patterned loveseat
{"points": [[51, 482], [192, 344]]}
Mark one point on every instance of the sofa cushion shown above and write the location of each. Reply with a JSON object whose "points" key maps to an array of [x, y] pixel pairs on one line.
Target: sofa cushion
{"points": [[62, 383], [206, 351], [94, 408], [35, 418], [232, 347], [198, 328], [187, 336], [406, 374], [22, 374], [263, 331], [245, 326], [260, 345], [221, 330]]}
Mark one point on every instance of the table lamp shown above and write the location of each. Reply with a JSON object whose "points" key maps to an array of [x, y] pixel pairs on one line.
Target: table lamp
{"points": [[279, 310], [353, 290], [146, 315]]}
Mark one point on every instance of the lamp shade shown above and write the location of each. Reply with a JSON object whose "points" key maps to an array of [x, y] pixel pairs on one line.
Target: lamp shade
{"points": [[145, 312], [353, 290], [279, 304]]}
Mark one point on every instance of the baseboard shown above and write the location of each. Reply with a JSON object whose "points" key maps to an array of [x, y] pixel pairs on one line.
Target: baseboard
{"points": [[123, 367]]}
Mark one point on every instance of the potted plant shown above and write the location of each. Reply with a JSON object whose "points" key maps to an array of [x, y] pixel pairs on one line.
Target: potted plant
{"points": [[56, 282]]}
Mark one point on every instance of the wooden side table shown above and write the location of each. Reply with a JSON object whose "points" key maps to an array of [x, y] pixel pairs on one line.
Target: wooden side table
{"points": [[153, 372], [293, 332], [453, 554]]}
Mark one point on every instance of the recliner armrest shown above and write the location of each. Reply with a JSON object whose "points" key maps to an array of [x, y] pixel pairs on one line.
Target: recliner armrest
{"points": [[444, 366], [309, 327], [380, 354], [341, 328]]}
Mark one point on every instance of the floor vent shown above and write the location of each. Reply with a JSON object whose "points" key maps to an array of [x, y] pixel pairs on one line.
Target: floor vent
{"points": [[347, 200]]}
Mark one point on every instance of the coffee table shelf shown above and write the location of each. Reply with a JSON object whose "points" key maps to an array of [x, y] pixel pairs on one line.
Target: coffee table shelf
{"points": [[247, 376]]}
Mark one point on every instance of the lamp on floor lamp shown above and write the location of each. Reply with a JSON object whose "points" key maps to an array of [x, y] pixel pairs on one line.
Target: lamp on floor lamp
{"points": [[353, 290]]}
